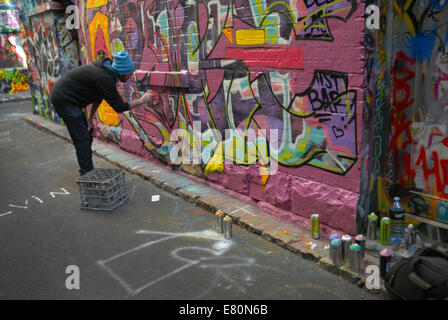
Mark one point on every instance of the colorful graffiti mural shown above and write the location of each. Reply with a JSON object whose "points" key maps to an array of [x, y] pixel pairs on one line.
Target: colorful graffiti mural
{"points": [[11, 51], [52, 49], [229, 74], [410, 143], [13, 80], [9, 20], [13, 72]]}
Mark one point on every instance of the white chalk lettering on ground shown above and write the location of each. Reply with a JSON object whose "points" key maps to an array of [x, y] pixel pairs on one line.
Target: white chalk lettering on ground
{"points": [[5, 214], [26, 204], [53, 193], [22, 207], [211, 257]]}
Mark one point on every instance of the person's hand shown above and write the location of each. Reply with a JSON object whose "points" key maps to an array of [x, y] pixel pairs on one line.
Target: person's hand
{"points": [[149, 96]]}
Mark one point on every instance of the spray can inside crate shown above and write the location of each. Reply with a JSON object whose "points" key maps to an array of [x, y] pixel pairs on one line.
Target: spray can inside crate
{"points": [[355, 257], [346, 243], [315, 226], [385, 262]]}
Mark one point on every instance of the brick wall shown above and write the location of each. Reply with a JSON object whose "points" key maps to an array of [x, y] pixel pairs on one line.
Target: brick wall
{"points": [[269, 92]]}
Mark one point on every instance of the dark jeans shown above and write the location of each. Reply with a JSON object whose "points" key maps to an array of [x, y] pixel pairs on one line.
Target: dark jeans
{"points": [[76, 122]]}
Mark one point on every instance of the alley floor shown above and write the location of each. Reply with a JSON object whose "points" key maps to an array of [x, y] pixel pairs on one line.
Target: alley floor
{"points": [[156, 246]]}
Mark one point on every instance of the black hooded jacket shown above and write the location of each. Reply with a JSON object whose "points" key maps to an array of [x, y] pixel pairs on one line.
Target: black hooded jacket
{"points": [[88, 84]]}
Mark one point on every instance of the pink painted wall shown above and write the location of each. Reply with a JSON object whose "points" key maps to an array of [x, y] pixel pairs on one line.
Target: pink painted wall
{"points": [[294, 65]]}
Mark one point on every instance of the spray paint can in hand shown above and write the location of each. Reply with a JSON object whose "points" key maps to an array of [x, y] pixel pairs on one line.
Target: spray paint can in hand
{"points": [[219, 221], [385, 262], [336, 252], [346, 243], [227, 227], [371, 226], [385, 231], [355, 257], [361, 240], [315, 226]]}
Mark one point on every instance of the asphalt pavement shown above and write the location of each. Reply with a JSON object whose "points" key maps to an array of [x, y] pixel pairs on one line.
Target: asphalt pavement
{"points": [[156, 246]]}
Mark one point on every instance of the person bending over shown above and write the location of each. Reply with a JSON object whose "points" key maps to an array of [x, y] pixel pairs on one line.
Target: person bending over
{"points": [[89, 85]]}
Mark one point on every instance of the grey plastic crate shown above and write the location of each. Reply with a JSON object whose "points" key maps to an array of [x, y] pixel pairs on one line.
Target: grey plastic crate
{"points": [[103, 189]]}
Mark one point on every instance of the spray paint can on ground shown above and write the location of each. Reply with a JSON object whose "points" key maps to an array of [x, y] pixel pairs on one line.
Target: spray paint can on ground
{"points": [[346, 243], [355, 257], [336, 252], [334, 237], [410, 240], [227, 227], [385, 262], [219, 221], [315, 226], [385, 231], [372, 226], [361, 240]]}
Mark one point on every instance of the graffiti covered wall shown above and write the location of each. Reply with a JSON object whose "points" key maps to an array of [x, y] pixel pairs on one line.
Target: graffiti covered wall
{"points": [[13, 80], [266, 94], [13, 72], [52, 50], [409, 122]]}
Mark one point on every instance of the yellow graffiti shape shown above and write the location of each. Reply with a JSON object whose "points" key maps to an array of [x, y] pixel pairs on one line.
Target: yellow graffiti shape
{"points": [[264, 172], [216, 163], [405, 15], [101, 21], [228, 33], [95, 3], [250, 37], [19, 87], [107, 115]]}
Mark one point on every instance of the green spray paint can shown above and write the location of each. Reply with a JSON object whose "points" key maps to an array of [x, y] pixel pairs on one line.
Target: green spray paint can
{"points": [[315, 226], [385, 230]]}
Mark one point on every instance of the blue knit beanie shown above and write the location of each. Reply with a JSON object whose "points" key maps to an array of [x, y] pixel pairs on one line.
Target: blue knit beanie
{"points": [[123, 63]]}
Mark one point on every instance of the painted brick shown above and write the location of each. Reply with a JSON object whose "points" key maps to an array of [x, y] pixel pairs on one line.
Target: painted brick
{"points": [[336, 207], [232, 58]]}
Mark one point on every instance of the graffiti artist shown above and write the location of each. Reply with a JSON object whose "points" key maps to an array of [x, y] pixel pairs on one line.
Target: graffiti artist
{"points": [[89, 85]]}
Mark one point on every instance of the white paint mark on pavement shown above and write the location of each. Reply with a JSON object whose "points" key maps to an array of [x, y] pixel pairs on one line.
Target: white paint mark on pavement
{"points": [[5, 214], [53, 193], [21, 207], [38, 199], [211, 258]]}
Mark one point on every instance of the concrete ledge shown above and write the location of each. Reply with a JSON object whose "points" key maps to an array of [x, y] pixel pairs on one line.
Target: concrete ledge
{"points": [[292, 237]]}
